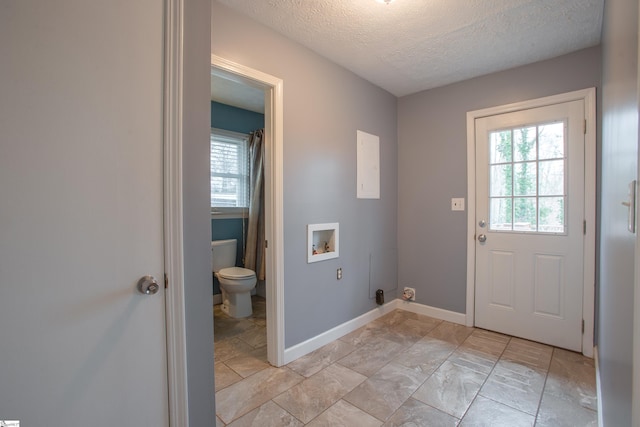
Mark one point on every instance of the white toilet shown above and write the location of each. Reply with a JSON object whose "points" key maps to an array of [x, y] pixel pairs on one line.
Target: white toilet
{"points": [[236, 283]]}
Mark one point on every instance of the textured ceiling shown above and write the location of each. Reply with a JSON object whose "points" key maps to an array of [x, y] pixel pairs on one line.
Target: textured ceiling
{"points": [[412, 45]]}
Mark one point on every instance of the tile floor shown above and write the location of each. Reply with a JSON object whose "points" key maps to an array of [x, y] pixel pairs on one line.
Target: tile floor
{"points": [[402, 369]]}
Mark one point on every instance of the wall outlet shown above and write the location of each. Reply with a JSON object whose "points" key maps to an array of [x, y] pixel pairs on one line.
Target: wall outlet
{"points": [[339, 274], [409, 294]]}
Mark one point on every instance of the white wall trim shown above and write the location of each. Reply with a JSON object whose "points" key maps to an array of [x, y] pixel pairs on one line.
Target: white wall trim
{"points": [[173, 198], [588, 303], [635, 391], [598, 387], [274, 121], [435, 312], [306, 347]]}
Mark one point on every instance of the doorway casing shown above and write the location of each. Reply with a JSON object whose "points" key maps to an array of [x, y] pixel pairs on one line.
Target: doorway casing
{"points": [[588, 297], [274, 234]]}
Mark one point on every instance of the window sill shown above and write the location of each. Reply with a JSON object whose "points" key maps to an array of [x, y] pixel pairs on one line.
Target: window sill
{"points": [[224, 213]]}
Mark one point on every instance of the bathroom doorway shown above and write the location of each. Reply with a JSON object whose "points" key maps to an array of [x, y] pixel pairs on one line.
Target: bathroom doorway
{"points": [[236, 87]]}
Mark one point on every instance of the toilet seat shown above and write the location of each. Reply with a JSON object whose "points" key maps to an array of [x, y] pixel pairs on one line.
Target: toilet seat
{"points": [[236, 273]]}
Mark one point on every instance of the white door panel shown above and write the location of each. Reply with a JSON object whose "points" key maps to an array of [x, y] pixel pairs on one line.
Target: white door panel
{"points": [[529, 212], [81, 213]]}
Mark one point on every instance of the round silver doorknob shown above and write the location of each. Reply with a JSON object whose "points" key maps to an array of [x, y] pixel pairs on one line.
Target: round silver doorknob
{"points": [[482, 238], [148, 285]]}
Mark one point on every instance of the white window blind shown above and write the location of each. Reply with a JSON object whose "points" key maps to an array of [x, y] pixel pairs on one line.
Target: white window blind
{"points": [[229, 169]]}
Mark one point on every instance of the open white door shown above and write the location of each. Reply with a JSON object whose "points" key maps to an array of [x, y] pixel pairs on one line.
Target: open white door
{"points": [[530, 214], [81, 187]]}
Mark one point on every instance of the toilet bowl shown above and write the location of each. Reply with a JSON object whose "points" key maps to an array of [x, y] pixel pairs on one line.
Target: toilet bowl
{"points": [[236, 283]]}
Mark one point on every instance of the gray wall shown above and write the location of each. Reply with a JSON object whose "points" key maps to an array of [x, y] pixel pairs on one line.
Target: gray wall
{"points": [[196, 214], [432, 159], [619, 167], [324, 105]]}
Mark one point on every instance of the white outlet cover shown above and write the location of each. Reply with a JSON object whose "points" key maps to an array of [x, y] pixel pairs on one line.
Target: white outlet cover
{"points": [[457, 204]]}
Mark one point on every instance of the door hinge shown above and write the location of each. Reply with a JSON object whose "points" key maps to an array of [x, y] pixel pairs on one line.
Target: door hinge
{"points": [[266, 244], [584, 129], [583, 326], [584, 227], [166, 281]]}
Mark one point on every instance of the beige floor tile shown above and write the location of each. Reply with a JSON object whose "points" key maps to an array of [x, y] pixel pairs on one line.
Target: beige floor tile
{"points": [[225, 376], [398, 351], [230, 348], [260, 353], [420, 326], [515, 385], [575, 375], [410, 331], [384, 392], [225, 327], [415, 413], [529, 353], [487, 342], [474, 360], [318, 392], [267, 415], [488, 413], [256, 336], [343, 414], [372, 356], [564, 412], [246, 366], [451, 388], [366, 333], [244, 396], [395, 317], [570, 393], [425, 355], [423, 324], [451, 332], [321, 358]]}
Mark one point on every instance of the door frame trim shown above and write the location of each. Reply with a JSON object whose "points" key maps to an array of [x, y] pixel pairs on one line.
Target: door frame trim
{"points": [[173, 214], [274, 224], [588, 293]]}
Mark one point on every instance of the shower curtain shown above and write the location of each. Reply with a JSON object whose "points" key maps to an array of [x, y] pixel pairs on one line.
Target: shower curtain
{"points": [[254, 253]]}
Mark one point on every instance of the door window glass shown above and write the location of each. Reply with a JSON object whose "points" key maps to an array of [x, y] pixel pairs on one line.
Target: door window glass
{"points": [[527, 188]]}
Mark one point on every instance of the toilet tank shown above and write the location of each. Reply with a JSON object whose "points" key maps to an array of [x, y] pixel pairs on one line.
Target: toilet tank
{"points": [[223, 254]]}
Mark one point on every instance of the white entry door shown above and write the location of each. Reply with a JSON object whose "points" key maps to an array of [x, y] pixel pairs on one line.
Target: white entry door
{"points": [[529, 223], [81, 214]]}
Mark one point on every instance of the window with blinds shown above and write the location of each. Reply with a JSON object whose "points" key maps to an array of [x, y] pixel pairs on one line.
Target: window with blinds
{"points": [[229, 169]]}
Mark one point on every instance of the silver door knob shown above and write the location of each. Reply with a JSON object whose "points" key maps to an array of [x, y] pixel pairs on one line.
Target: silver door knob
{"points": [[482, 238], [148, 285]]}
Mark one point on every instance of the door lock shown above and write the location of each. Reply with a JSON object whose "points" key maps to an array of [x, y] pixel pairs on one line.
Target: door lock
{"points": [[148, 285]]}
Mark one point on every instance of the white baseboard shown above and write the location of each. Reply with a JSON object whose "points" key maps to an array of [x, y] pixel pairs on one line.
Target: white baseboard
{"points": [[306, 347], [437, 313], [598, 385]]}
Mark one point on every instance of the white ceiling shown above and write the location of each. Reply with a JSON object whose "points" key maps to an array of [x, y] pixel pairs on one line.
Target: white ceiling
{"points": [[231, 92], [413, 45]]}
